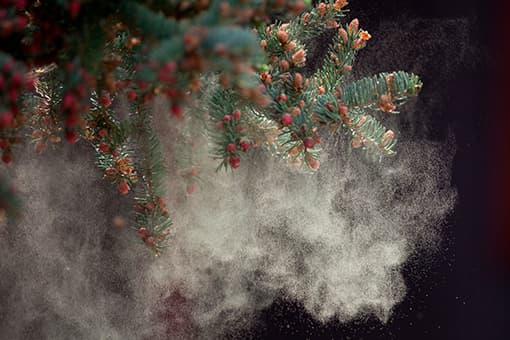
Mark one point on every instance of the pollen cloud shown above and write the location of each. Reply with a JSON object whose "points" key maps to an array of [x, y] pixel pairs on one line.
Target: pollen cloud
{"points": [[335, 241]]}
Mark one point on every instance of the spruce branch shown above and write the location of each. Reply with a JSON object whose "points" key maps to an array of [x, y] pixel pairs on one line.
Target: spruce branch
{"points": [[320, 18], [369, 134], [383, 91], [228, 131], [138, 50], [43, 107], [151, 213], [148, 21], [109, 137], [340, 57]]}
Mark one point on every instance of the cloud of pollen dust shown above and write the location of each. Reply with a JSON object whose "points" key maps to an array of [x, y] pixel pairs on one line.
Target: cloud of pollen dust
{"points": [[334, 241]]}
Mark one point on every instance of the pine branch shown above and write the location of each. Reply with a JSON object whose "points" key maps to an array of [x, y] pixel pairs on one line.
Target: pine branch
{"points": [[43, 106], [142, 49], [366, 131], [227, 133], [372, 136], [339, 59], [384, 91], [313, 23], [151, 216], [148, 21], [109, 137], [130, 156]]}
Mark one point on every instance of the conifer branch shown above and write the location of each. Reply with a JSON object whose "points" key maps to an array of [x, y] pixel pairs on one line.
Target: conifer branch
{"points": [[314, 22], [150, 22], [137, 50], [151, 213], [340, 57], [384, 91], [43, 107]]}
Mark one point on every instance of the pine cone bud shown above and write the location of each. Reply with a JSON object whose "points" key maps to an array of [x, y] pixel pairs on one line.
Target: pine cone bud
{"points": [[387, 137], [282, 36], [342, 34], [298, 81], [354, 26], [298, 57], [284, 65], [339, 4], [290, 46]]}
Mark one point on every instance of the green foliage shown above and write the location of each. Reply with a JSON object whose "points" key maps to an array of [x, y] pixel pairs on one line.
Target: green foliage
{"points": [[151, 23], [339, 58], [367, 92], [153, 215], [225, 128], [120, 55], [149, 158], [312, 24]]}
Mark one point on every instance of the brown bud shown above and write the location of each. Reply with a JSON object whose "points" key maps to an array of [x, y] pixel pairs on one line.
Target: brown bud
{"points": [[306, 18], [339, 4], [387, 137], [290, 46], [332, 23], [284, 65], [295, 111], [386, 103], [354, 26], [54, 139], [364, 35], [119, 222], [299, 57], [298, 81], [132, 42], [282, 36], [342, 34], [322, 8], [357, 141], [358, 44], [265, 77]]}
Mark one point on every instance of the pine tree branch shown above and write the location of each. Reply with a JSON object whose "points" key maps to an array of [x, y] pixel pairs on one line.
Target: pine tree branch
{"points": [[339, 59], [314, 22], [148, 21], [384, 91], [152, 215]]}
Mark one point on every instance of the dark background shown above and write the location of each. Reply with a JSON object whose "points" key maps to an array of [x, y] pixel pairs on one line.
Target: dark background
{"points": [[460, 291]]}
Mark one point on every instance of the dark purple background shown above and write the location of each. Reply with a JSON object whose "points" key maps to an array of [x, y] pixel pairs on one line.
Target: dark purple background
{"points": [[460, 292]]}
